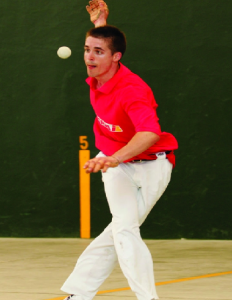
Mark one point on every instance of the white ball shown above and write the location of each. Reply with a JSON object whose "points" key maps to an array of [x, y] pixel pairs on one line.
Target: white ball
{"points": [[64, 52]]}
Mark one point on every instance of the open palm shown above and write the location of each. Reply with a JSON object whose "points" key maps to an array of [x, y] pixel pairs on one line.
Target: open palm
{"points": [[98, 11]]}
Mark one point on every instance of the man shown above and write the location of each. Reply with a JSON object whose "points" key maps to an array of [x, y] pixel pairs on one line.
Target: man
{"points": [[136, 161]]}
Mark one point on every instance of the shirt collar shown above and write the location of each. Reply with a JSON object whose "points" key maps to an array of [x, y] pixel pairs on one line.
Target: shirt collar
{"points": [[109, 85]]}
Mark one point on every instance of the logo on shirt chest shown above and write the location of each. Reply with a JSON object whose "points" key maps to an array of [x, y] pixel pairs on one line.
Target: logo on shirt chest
{"points": [[110, 127]]}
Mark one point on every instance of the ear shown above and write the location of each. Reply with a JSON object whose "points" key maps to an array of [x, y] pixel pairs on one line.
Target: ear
{"points": [[117, 56]]}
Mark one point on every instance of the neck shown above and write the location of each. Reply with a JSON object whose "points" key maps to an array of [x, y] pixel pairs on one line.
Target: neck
{"points": [[103, 79]]}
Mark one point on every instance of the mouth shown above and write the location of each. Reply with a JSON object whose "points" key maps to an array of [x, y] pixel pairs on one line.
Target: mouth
{"points": [[91, 67]]}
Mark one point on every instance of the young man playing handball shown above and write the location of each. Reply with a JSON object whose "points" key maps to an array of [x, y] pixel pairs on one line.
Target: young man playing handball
{"points": [[136, 160]]}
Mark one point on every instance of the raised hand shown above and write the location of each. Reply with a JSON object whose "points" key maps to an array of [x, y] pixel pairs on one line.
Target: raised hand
{"points": [[98, 11]]}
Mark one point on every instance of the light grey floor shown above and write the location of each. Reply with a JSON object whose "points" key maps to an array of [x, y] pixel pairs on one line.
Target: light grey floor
{"points": [[35, 269]]}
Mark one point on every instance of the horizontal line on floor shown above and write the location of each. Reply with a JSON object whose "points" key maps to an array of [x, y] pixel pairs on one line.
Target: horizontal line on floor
{"points": [[158, 283]]}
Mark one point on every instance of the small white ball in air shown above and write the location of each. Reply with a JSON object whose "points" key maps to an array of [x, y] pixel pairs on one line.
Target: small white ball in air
{"points": [[64, 52]]}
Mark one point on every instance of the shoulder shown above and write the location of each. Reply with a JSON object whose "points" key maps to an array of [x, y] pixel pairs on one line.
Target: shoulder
{"points": [[131, 82]]}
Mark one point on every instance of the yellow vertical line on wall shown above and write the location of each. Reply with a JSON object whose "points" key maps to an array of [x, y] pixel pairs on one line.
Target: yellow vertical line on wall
{"points": [[84, 156]]}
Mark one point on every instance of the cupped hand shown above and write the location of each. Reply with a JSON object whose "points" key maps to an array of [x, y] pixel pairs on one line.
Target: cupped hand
{"points": [[98, 11], [101, 163]]}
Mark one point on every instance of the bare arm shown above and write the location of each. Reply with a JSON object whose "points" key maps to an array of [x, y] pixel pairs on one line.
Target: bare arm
{"points": [[98, 11], [138, 144]]}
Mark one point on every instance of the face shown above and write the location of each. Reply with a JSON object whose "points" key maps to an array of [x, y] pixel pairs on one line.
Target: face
{"points": [[98, 58]]}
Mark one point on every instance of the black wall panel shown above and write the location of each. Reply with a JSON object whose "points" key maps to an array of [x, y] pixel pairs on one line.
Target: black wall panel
{"points": [[181, 48]]}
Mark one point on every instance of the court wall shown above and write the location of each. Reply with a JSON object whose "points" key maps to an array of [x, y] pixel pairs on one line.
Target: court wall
{"points": [[182, 49]]}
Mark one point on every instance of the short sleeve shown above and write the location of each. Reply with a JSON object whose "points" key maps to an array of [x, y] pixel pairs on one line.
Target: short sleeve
{"points": [[139, 104]]}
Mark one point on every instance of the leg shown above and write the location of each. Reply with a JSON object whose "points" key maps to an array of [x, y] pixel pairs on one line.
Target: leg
{"points": [[93, 266], [154, 179], [133, 255], [132, 190], [89, 274]]}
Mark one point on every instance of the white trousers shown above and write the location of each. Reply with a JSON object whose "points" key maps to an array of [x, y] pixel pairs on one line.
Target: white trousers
{"points": [[132, 189]]}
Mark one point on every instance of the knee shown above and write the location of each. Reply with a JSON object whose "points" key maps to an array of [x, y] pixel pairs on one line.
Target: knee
{"points": [[125, 229]]}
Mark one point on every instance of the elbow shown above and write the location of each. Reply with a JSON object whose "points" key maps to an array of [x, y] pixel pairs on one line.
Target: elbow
{"points": [[156, 138]]}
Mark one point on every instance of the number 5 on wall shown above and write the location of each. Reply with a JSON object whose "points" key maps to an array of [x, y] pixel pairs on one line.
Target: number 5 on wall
{"points": [[84, 156], [83, 142]]}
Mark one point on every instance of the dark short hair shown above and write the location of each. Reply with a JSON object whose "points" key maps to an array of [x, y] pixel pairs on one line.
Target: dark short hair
{"points": [[117, 39]]}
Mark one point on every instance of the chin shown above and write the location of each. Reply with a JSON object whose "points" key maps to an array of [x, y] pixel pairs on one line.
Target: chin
{"points": [[91, 74]]}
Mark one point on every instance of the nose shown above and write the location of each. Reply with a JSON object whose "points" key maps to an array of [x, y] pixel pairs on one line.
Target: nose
{"points": [[90, 56]]}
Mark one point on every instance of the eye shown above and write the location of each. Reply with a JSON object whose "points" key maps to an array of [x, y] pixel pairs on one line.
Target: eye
{"points": [[87, 50], [99, 52]]}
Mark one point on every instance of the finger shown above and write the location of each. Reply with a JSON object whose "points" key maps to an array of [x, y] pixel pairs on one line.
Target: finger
{"points": [[91, 8], [86, 165], [94, 3], [103, 7], [98, 167], [90, 163], [88, 9], [91, 5], [101, 2], [106, 167], [94, 8], [90, 167], [93, 166]]}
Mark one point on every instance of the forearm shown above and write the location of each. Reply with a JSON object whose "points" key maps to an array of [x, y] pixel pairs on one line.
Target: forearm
{"points": [[138, 144], [100, 23]]}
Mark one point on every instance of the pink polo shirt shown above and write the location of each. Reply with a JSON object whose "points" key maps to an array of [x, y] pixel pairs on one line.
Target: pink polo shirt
{"points": [[125, 105]]}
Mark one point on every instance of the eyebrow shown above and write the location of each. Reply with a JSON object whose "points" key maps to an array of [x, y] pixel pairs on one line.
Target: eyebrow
{"points": [[96, 48]]}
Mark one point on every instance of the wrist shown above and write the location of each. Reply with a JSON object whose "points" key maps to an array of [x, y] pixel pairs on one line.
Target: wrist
{"points": [[99, 23], [117, 159]]}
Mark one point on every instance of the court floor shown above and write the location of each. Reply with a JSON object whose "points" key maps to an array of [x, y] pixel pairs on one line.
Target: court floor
{"points": [[35, 269]]}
